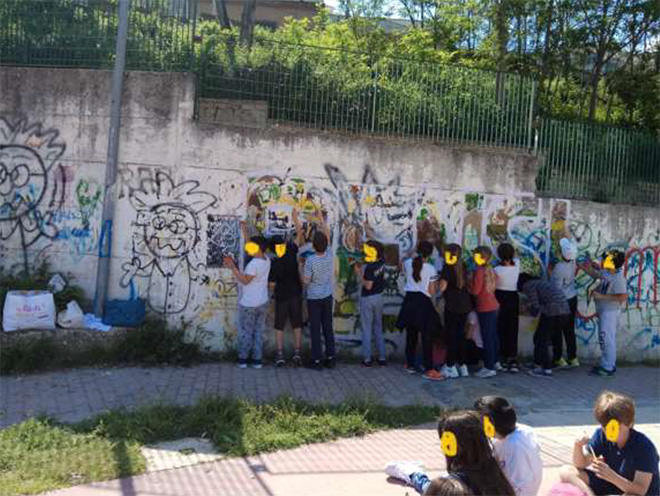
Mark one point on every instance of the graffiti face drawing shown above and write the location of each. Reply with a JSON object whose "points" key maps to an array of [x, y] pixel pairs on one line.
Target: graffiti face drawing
{"points": [[22, 181], [167, 233]]}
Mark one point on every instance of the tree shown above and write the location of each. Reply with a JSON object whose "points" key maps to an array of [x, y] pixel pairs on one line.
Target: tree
{"points": [[247, 21]]}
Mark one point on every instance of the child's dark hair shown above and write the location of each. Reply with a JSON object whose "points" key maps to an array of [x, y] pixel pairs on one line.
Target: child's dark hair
{"points": [[500, 411], [447, 486], [618, 257], [276, 240], [378, 246], [460, 269], [506, 252], [474, 461], [261, 241], [320, 242], [424, 250]]}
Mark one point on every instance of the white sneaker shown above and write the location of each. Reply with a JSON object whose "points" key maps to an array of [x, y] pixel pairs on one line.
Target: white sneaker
{"points": [[403, 470], [463, 371], [498, 367], [449, 372], [485, 373]]}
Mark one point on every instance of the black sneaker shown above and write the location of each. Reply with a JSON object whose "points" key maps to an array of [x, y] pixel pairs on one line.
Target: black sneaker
{"points": [[382, 362], [601, 372], [297, 360], [330, 362], [315, 365], [366, 363], [279, 359], [513, 367]]}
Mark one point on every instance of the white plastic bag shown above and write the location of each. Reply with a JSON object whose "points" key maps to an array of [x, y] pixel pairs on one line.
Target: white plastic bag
{"points": [[71, 317], [28, 310]]}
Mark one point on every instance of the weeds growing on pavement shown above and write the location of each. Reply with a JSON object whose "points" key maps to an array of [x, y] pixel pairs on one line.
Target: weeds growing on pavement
{"points": [[40, 454]]}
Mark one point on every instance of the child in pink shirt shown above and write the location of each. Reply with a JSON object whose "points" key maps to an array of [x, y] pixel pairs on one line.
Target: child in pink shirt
{"points": [[482, 286]]}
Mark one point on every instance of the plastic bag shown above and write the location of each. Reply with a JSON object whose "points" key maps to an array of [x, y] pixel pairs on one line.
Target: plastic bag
{"points": [[28, 310], [71, 317]]}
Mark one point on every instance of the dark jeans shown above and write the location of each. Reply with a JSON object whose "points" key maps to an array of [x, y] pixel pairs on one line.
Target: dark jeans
{"points": [[457, 343], [412, 336], [320, 317], [507, 323], [544, 336], [568, 333], [488, 325]]}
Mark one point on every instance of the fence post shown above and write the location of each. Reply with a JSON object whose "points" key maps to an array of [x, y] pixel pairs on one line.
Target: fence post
{"points": [[530, 119], [105, 245], [373, 101]]}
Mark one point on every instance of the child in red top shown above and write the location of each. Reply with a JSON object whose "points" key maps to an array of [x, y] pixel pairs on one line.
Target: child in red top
{"points": [[482, 286]]}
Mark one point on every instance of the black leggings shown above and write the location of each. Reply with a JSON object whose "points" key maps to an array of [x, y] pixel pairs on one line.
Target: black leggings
{"points": [[457, 343], [568, 333], [412, 336], [507, 323]]}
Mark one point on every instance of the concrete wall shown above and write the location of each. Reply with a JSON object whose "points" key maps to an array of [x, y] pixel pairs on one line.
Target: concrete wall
{"points": [[184, 187]]}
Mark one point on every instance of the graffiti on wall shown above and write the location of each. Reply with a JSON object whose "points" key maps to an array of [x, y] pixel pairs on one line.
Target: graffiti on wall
{"points": [[166, 240], [223, 235]]}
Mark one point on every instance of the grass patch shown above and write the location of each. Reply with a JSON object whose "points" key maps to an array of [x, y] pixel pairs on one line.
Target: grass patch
{"points": [[40, 454]]}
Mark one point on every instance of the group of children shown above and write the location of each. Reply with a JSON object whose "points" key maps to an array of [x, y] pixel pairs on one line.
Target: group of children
{"points": [[482, 304], [490, 292], [488, 453]]}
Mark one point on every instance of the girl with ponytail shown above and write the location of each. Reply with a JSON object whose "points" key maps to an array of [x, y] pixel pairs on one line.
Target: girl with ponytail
{"points": [[418, 315], [482, 286]]}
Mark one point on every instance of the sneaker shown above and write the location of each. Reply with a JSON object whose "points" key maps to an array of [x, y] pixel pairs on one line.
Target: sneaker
{"points": [[498, 367], [450, 372], [330, 362], [366, 363], [256, 365], [403, 470], [513, 368], [463, 371], [485, 373], [297, 359], [242, 364], [409, 369], [316, 365], [279, 359], [382, 362], [433, 375], [560, 364], [601, 372], [573, 364], [539, 372]]}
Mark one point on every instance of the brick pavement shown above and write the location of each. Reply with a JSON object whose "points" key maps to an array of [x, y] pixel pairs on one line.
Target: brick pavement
{"points": [[76, 394]]}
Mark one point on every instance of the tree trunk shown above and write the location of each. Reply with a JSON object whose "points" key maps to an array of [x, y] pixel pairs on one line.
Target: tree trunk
{"points": [[502, 35], [595, 79], [247, 22], [223, 17]]}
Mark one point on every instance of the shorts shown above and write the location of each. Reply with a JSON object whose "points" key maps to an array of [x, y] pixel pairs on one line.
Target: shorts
{"points": [[290, 309]]}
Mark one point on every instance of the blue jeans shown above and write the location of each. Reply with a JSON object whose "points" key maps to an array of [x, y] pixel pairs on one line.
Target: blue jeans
{"points": [[320, 319], [251, 324], [488, 325]]}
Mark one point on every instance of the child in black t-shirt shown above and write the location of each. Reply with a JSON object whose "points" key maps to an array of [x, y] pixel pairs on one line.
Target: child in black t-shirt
{"points": [[371, 301]]}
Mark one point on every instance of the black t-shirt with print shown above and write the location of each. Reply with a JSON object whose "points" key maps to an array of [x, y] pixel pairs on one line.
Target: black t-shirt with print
{"points": [[284, 273], [374, 272]]}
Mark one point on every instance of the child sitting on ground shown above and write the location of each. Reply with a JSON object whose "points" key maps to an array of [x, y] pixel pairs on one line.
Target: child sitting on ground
{"points": [[468, 455], [618, 459], [514, 445]]}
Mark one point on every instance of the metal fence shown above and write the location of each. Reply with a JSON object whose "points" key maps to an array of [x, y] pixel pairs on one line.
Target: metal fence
{"points": [[83, 34], [599, 162], [335, 89]]}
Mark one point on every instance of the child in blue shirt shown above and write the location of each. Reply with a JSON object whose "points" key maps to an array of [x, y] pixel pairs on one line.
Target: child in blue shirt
{"points": [[628, 465]]}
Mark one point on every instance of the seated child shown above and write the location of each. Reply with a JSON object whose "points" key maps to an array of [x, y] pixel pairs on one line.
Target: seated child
{"points": [[514, 445], [468, 455], [617, 459], [447, 486]]}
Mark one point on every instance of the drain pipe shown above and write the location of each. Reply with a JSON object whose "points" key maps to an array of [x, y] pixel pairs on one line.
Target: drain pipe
{"points": [[105, 242]]}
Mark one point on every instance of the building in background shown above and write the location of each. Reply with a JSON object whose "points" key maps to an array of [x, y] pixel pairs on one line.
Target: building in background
{"points": [[269, 13]]}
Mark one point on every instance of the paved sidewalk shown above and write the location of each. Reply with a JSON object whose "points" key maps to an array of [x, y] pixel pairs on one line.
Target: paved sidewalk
{"points": [[345, 467], [77, 394]]}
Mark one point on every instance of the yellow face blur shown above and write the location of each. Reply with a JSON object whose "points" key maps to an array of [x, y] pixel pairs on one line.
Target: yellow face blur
{"points": [[251, 248], [612, 431], [489, 428], [280, 250], [608, 263], [450, 259], [479, 259], [449, 444], [370, 253]]}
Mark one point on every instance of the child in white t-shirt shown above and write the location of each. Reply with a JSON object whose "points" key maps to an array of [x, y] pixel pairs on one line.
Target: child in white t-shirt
{"points": [[515, 446], [252, 302]]}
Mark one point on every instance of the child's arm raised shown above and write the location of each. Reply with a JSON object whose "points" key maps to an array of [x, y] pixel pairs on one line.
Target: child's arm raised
{"points": [[580, 460]]}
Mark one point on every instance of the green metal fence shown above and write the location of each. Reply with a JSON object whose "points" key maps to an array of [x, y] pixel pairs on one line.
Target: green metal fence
{"points": [[82, 34], [342, 90], [598, 162]]}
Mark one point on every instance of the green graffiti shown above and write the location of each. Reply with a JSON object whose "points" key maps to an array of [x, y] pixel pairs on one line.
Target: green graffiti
{"points": [[87, 201]]}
